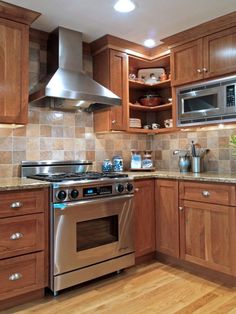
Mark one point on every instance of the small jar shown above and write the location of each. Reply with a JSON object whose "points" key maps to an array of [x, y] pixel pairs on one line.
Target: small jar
{"points": [[106, 166], [117, 164], [136, 160], [147, 160], [163, 77]]}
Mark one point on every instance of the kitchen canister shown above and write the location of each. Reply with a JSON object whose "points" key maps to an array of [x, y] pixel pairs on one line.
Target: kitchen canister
{"points": [[136, 160], [117, 164], [106, 165]]}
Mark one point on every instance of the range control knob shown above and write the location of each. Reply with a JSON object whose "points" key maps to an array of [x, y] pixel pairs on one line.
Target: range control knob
{"points": [[129, 187], [74, 194], [120, 188], [61, 195]]}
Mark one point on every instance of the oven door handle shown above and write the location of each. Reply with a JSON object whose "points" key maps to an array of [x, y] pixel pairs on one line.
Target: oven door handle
{"points": [[63, 206]]}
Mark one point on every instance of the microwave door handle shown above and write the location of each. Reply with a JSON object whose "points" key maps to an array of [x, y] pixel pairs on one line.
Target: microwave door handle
{"points": [[63, 206]]}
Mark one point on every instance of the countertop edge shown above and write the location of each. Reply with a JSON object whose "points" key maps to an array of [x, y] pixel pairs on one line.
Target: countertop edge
{"points": [[203, 177]]}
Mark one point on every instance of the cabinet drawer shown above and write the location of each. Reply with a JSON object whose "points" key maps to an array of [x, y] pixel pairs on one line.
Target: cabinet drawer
{"points": [[21, 235], [21, 274], [15, 203], [208, 193]]}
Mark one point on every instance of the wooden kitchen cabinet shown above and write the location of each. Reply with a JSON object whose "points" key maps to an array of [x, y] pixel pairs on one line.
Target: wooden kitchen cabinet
{"points": [[14, 49], [14, 59], [138, 88], [207, 57], [144, 207], [186, 63], [110, 68], [23, 245], [167, 217], [208, 230]]}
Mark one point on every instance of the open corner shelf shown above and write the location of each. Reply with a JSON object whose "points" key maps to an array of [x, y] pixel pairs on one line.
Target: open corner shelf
{"points": [[141, 85], [146, 108]]}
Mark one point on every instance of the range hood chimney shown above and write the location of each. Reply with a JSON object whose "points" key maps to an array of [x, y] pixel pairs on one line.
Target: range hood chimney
{"points": [[66, 86]]}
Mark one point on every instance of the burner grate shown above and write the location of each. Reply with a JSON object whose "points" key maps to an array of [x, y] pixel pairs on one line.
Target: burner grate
{"points": [[59, 177]]}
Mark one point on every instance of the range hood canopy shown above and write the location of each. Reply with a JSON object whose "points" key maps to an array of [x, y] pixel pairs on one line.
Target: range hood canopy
{"points": [[66, 86]]}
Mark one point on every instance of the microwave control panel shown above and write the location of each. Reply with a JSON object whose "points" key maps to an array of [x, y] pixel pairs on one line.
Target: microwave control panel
{"points": [[230, 95]]}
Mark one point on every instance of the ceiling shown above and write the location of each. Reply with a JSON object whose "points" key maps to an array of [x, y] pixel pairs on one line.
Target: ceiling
{"points": [[152, 18]]}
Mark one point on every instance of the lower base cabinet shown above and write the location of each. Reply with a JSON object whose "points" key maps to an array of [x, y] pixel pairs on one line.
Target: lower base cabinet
{"points": [[208, 235], [144, 206], [23, 245], [196, 222], [167, 217]]}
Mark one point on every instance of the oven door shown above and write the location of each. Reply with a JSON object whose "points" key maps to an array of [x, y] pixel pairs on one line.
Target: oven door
{"points": [[91, 231], [201, 103]]}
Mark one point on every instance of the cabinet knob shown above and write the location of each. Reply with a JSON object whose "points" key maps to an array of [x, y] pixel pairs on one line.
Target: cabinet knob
{"points": [[199, 71], [136, 189], [16, 205], [204, 70], [15, 276], [16, 236], [206, 193], [113, 121], [181, 208]]}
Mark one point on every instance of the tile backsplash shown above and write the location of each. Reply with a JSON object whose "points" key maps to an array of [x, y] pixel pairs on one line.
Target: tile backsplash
{"points": [[63, 135]]}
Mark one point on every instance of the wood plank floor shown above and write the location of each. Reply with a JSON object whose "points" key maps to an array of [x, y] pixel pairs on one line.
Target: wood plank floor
{"points": [[150, 289]]}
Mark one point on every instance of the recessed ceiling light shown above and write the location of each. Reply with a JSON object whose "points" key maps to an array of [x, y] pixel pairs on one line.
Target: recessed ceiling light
{"points": [[124, 6], [149, 43]]}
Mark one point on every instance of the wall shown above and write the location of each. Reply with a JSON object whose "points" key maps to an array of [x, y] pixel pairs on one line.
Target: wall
{"points": [[60, 135], [220, 158]]}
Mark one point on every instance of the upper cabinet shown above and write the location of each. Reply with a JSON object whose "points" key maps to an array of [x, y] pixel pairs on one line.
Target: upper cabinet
{"points": [[14, 47], [210, 56], [154, 85], [116, 65], [110, 68]]}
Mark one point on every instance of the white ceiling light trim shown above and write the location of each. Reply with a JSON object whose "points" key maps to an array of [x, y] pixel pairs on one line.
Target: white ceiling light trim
{"points": [[124, 6], [149, 43]]}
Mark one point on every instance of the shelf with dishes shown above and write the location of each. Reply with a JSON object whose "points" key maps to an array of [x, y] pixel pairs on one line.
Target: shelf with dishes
{"points": [[140, 84], [139, 107], [150, 98]]}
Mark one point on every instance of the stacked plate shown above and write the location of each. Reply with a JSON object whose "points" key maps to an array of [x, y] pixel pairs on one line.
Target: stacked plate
{"points": [[135, 123]]}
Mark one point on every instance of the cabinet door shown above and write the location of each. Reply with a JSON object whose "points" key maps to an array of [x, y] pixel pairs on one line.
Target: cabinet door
{"points": [[167, 217], [208, 236], [219, 53], [14, 72], [187, 63], [144, 207], [119, 86]]}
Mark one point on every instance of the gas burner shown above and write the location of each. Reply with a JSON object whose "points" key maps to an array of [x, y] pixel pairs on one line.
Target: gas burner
{"points": [[76, 176]]}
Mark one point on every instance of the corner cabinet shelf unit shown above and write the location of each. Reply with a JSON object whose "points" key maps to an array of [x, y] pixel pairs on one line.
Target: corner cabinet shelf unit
{"points": [[149, 115], [113, 62]]}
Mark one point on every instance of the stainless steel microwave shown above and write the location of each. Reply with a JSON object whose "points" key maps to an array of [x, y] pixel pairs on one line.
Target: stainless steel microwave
{"points": [[208, 102]]}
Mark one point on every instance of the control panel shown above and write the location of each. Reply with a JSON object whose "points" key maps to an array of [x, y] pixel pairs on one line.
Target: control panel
{"points": [[230, 95], [68, 193]]}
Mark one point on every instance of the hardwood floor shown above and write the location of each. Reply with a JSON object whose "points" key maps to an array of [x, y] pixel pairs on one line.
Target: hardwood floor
{"points": [[150, 289]]}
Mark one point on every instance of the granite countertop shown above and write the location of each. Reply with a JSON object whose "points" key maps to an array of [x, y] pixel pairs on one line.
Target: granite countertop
{"points": [[16, 183], [204, 176]]}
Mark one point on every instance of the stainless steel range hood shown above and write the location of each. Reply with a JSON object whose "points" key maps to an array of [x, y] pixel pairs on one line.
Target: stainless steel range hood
{"points": [[67, 87]]}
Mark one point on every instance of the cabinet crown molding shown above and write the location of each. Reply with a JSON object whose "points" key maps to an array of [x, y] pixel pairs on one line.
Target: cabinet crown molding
{"points": [[18, 14]]}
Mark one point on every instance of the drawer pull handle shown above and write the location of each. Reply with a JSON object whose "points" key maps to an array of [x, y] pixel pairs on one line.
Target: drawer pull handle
{"points": [[205, 193], [15, 276], [136, 189], [113, 121], [181, 208], [16, 236], [16, 205]]}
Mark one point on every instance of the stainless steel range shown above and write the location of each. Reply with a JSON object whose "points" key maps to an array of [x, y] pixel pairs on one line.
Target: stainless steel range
{"points": [[92, 221]]}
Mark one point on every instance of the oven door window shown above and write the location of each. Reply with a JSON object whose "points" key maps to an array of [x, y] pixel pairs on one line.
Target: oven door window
{"points": [[200, 103], [96, 232]]}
